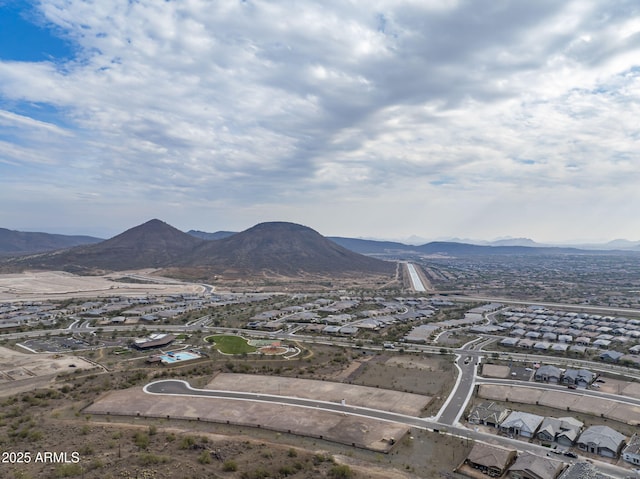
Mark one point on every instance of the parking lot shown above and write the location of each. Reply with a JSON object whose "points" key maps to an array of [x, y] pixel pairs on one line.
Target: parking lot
{"points": [[64, 344]]}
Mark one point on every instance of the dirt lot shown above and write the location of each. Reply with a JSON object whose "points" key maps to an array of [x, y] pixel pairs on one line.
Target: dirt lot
{"points": [[423, 375], [375, 398], [495, 371], [351, 430], [21, 372], [60, 285], [618, 386]]}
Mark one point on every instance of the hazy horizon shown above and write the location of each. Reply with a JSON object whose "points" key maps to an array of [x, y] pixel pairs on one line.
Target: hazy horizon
{"points": [[389, 119], [409, 240]]}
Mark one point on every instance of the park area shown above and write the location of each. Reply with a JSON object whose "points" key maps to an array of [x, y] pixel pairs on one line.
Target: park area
{"points": [[234, 345], [228, 344]]}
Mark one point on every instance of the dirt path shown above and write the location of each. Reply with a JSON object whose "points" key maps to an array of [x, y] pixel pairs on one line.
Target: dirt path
{"points": [[351, 371]]}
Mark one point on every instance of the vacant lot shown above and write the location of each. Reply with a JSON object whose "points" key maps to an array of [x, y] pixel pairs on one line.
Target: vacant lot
{"points": [[374, 398], [22, 372], [60, 285], [352, 430], [427, 376], [495, 371]]}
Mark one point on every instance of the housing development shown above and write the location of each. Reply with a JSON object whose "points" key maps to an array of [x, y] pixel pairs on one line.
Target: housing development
{"points": [[134, 370]]}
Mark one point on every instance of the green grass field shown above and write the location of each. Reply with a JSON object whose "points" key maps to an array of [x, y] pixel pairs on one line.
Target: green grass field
{"points": [[230, 344]]}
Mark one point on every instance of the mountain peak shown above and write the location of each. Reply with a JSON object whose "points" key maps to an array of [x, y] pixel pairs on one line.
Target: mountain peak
{"points": [[271, 248], [284, 248]]}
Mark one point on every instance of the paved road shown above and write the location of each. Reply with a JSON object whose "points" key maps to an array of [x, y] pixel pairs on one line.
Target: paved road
{"points": [[457, 401], [415, 279], [176, 387], [182, 388]]}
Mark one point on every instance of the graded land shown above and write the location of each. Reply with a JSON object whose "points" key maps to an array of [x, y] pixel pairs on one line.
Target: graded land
{"points": [[32, 285]]}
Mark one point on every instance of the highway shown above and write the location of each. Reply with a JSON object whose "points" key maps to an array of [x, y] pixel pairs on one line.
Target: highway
{"points": [[416, 282]]}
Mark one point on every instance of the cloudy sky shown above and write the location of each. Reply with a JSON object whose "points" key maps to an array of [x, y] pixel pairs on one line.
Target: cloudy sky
{"points": [[434, 118]]}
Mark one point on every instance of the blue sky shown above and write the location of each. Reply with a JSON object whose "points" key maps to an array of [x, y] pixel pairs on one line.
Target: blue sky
{"points": [[387, 119]]}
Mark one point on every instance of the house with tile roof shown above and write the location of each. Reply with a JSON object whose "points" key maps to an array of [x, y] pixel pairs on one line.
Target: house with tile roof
{"points": [[548, 374], [582, 470], [578, 377], [488, 414], [564, 430], [491, 460], [631, 452], [532, 466], [601, 440], [520, 423]]}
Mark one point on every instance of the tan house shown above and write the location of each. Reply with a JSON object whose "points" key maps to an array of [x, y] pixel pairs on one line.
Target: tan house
{"points": [[532, 466], [489, 459]]}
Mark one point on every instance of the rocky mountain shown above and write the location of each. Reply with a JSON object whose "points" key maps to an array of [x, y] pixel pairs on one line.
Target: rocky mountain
{"points": [[272, 248], [154, 244], [21, 242], [282, 248]]}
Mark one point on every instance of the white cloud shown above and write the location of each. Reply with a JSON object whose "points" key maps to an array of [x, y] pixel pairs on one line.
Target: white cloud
{"points": [[231, 110]]}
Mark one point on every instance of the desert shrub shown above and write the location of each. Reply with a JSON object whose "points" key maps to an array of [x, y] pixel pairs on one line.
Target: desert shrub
{"points": [[141, 440], [187, 442], [205, 457], [148, 459], [340, 471], [229, 466], [286, 471], [68, 470]]}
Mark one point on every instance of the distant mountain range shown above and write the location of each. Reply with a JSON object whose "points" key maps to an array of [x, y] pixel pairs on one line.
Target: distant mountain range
{"points": [[618, 244], [276, 248], [211, 236], [453, 249], [19, 242]]}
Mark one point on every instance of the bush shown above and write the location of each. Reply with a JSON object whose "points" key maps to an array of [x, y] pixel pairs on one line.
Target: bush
{"points": [[229, 466], [286, 471], [151, 459], [141, 440], [205, 457], [340, 471], [187, 442], [68, 470]]}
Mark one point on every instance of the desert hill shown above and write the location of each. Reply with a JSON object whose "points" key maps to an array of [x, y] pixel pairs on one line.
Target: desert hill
{"points": [[275, 248], [154, 244], [282, 248]]}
